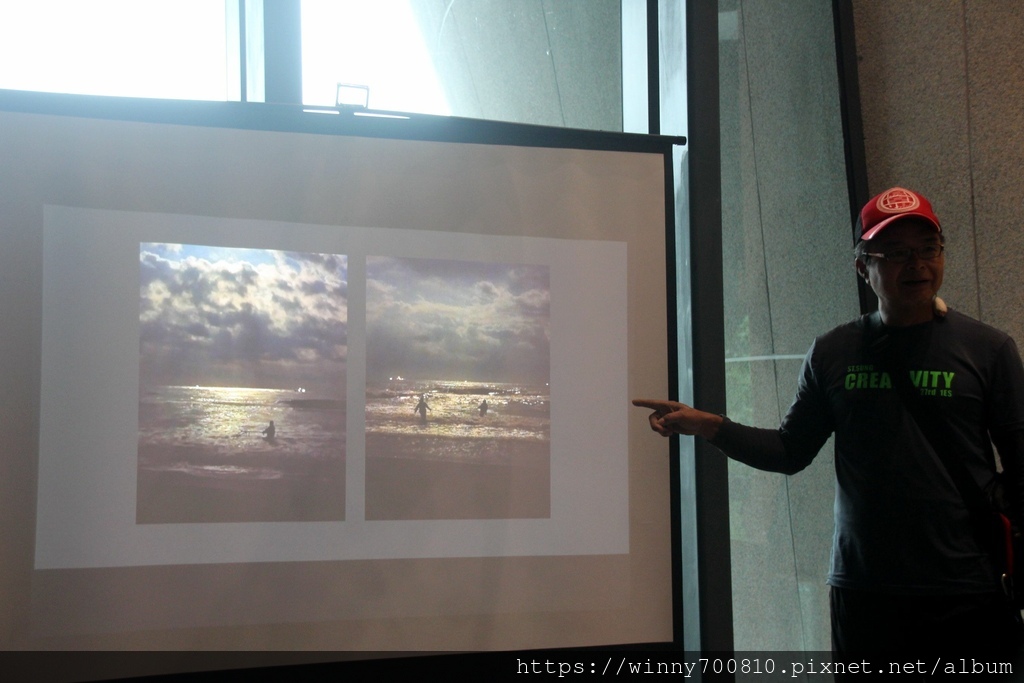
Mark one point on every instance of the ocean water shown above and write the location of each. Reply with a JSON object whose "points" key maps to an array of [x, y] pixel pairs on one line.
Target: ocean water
{"points": [[218, 431], [513, 411], [460, 462]]}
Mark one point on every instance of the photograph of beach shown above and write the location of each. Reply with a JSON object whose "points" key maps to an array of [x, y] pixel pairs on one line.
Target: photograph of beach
{"points": [[458, 412], [242, 372]]}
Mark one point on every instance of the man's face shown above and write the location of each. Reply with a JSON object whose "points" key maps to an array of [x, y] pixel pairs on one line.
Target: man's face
{"points": [[908, 286]]}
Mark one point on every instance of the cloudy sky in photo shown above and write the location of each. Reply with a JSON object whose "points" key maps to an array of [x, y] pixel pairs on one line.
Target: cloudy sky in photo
{"points": [[217, 316], [457, 320]]}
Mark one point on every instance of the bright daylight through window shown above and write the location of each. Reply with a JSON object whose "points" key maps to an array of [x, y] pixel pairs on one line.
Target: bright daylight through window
{"points": [[374, 44], [173, 50], [182, 50]]}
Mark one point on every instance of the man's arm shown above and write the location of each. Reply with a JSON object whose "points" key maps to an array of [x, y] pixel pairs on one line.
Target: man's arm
{"points": [[788, 449], [1005, 422], [1011, 454], [672, 417], [765, 449]]}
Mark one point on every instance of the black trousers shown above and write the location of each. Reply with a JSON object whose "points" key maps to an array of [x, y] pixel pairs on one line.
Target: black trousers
{"points": [[868, 623]]}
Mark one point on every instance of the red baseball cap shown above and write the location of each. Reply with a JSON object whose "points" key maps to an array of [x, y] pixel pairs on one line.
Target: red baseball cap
{"points": [[892, 205]]}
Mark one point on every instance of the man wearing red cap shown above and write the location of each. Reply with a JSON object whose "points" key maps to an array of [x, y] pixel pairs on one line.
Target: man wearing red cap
{"points": [[916, 395]]}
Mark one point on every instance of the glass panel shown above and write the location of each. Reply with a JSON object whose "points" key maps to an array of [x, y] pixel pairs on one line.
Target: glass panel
{"points": [[787, 278], [376, 45], [138, 48], [551, 62]]}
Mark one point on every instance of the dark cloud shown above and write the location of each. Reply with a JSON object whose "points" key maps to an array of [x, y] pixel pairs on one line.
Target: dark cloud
{"points": [[313, 288], [486, 291], [276, 319], [457, 320]]}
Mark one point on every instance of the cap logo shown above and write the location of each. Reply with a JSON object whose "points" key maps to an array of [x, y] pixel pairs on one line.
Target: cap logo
{"points": [[897, 200]]}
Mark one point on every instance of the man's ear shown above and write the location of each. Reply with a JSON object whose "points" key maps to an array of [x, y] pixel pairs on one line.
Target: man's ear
{"points": [[862, 269]]}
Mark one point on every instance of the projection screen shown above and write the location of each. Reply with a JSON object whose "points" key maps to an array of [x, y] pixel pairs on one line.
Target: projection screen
{"points": [[268, 386]]}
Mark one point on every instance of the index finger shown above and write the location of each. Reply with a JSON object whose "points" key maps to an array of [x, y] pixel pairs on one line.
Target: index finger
{"points": [[650, 403]]}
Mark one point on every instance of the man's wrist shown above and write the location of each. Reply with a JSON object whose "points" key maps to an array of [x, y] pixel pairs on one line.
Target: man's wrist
{"points": [[711, 424]]}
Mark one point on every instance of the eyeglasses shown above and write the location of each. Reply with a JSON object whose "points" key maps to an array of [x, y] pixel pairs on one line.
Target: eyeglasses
{"points": [[928, 253]]}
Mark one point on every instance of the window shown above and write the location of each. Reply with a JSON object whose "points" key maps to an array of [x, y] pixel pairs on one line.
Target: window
{"points": [[530, 61], [148, 48], [548, 62], [378, 45]]}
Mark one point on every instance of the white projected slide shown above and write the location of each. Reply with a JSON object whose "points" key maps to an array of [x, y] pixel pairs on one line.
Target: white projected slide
{"points": [[228, 390], [280, 389]]}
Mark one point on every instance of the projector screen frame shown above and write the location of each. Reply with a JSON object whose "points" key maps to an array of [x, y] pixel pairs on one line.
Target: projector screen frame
{"points": [[295, 119]]}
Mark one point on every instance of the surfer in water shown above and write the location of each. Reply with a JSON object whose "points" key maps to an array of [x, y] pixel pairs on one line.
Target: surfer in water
{"points": [[269, 432], [422, 409]]}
